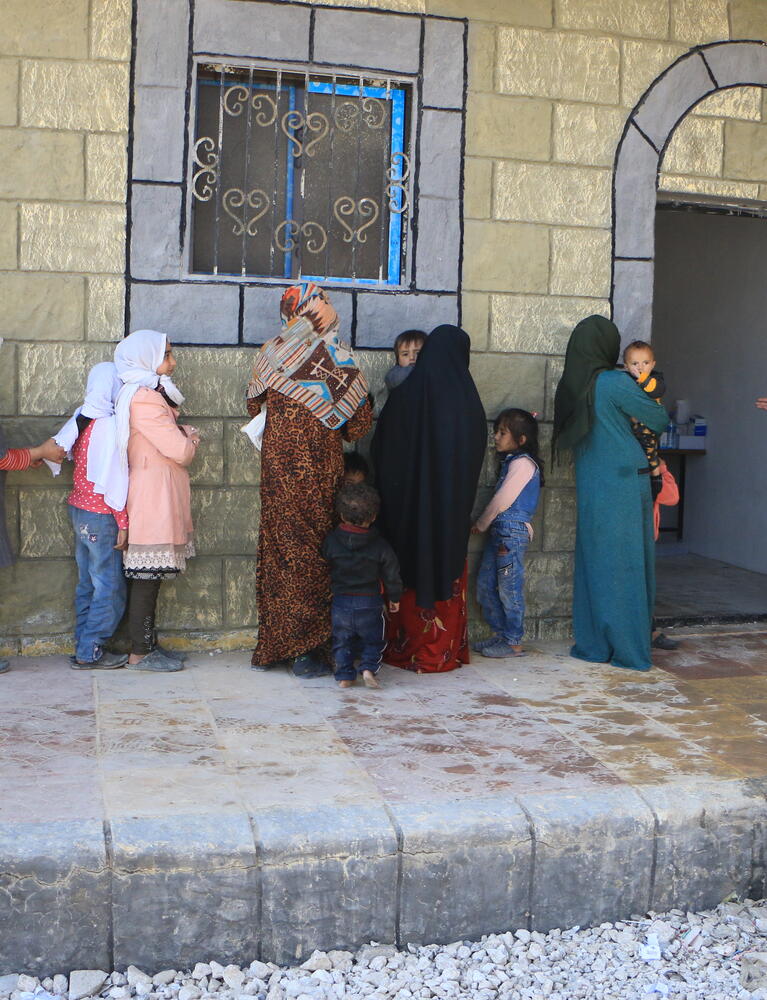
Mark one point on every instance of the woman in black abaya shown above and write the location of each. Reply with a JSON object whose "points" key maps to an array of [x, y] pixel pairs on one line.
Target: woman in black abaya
{"points": [[428, 450]]}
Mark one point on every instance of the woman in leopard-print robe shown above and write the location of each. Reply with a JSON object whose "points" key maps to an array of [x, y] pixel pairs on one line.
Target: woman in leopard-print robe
{"points": [[315, 398], [301, 465]]}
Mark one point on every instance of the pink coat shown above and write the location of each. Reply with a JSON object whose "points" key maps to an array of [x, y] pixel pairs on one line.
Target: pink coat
{"points": [[159, 503]]}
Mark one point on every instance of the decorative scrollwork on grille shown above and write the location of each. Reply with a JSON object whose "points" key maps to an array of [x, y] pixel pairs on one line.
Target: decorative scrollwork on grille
{"points": [[262, 118], [236, 97], [314, 122], [398, 174], [346, 206], [373, 113], [347, 113], [236, 198], [205, 157], [316, 236]]}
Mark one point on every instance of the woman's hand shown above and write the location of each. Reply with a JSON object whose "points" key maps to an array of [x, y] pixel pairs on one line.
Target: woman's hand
{"points": [[475, 530], [761, 404], [47, 450], [122, 539]]}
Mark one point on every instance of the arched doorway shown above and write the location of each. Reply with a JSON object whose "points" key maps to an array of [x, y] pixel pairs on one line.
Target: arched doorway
{"points": [[667, 261]]}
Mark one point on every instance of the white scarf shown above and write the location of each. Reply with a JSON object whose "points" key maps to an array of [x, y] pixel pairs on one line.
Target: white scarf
{"points": [[137, 359], [103, 469]]}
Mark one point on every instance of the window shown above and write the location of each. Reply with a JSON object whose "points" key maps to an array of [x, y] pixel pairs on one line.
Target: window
{"points": [[300, 175]]}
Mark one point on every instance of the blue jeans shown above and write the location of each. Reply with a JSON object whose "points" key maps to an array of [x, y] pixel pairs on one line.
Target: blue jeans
{"points": [[357, 616], [100, 592], [501, 582]]}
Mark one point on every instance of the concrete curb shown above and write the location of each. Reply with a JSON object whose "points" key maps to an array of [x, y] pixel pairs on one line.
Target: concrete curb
{"points": [[166, 892]]}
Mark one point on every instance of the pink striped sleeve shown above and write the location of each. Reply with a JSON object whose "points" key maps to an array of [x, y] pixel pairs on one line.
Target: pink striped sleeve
{"points": [[15, 460]]}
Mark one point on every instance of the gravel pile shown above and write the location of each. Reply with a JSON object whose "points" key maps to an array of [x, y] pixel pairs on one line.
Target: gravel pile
{"points": [[716, 955]]}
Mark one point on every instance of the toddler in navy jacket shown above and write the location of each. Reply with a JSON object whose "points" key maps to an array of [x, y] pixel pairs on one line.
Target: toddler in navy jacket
{"points": [[363, 567]]}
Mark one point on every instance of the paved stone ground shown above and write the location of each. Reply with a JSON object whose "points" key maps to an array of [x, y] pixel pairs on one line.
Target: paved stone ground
{"points": [[563, 792], [220, 736]]}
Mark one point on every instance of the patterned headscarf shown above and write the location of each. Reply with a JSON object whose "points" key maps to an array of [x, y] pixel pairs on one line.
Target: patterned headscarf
{"points": [[308, 361], [296, 299]]}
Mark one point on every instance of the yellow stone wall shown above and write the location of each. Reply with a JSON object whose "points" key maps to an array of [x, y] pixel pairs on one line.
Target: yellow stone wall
{"points": [[551, 83]]}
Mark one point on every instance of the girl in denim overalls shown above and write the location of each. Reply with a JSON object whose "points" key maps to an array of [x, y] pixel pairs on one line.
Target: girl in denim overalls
{"points": [[501, 577]]}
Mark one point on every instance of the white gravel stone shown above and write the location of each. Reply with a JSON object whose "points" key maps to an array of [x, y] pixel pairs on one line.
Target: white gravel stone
{"points": [[341, 960], [716, 955], [234, 977], [317, 960], [189, 993], [86, 983], [27, 984], [163, 978], [259, 970], [753, 973], [135, 975]]}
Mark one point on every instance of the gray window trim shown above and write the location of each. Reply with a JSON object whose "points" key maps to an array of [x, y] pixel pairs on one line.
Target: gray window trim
{"points": [[170, 37]]}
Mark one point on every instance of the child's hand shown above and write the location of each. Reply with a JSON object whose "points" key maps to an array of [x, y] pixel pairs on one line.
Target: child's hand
{"points": [[761, 404], [48, 449], [122, 539], [393, 607]]}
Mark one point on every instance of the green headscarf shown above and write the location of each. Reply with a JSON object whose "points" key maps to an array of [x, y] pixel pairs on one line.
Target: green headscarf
{"points": [[593, 347]]}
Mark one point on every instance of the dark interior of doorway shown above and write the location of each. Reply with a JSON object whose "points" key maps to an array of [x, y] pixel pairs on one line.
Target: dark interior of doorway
{"points": [[710, 339]]}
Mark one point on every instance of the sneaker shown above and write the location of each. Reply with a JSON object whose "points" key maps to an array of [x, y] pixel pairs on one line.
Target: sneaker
{"points": [[500, 649], [307, 666], [662, 641], [481, 644], [5, 666], [107, 661], [172, 654], [158, 662]]}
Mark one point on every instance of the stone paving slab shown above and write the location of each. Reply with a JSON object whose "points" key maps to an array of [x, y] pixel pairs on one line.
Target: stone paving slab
{"points": [[149, 819]]}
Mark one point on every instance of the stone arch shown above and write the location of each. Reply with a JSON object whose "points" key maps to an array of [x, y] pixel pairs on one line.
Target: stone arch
{"points": [[697, 74]]}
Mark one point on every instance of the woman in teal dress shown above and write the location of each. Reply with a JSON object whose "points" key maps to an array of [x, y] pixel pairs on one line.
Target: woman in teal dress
{"points": [[614, 585]]}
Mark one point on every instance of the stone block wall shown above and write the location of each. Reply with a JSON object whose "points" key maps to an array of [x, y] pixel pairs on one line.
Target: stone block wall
{"points": [[550, 86]]}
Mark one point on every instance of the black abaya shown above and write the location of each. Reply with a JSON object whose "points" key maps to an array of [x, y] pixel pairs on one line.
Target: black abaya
{"points": [[428, 450]]}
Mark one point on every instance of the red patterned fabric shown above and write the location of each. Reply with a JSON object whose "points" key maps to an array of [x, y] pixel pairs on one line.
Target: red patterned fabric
{"points": [[429, 641], [15, 460], [82, 495]]}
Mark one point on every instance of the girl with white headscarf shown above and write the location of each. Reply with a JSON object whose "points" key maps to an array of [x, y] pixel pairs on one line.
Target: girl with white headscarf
{"points": [[99, 520], [157, 450]]}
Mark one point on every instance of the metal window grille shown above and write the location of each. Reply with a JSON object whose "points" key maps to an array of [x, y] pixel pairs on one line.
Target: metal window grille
{"points": [[300, 176]]}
